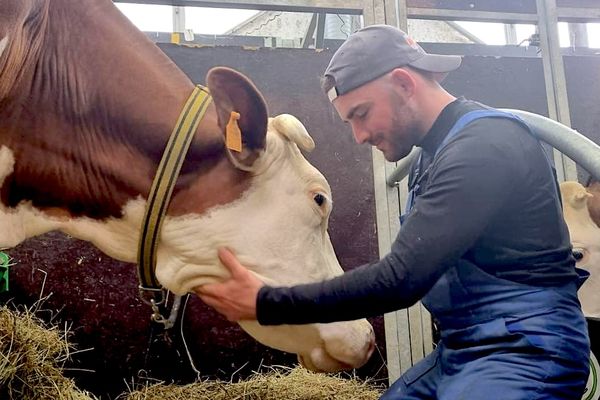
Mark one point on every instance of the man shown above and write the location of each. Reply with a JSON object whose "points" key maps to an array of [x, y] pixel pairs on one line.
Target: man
{"points": [[484, 244]]}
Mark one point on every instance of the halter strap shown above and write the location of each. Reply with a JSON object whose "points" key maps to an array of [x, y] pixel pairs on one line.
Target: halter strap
{"points": [[162, 189]]}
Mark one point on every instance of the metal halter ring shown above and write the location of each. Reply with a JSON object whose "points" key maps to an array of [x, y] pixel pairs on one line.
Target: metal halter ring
{"points": [[152, 296]]}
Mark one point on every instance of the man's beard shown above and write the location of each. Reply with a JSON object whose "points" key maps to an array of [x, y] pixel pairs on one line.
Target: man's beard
{"points": [[404, 135], [404, 131]]}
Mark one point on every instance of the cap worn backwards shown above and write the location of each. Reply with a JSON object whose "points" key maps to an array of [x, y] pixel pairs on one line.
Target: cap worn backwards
{"points": [[375, 50]]}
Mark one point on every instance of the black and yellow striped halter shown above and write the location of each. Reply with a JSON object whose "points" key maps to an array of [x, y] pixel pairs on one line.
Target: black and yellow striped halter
{"points": [[159, 197]]}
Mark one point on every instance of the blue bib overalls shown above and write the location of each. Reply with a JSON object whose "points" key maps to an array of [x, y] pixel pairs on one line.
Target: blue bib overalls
{"points": [[498, 339]]}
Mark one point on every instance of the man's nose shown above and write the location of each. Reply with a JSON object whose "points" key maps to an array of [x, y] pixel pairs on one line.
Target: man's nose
{"points": [[360, 134]]}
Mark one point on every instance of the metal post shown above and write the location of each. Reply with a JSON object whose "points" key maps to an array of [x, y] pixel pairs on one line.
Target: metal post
{"points": [[408, 332], [510, 33], [310, 32], [387, 200], [402, 14], [320, 39], [578, 34], [178, 19], [554, 76]]}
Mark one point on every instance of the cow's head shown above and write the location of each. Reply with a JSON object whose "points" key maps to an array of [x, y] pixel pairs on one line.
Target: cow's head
{"points": [[277, 227], [585, 239]]}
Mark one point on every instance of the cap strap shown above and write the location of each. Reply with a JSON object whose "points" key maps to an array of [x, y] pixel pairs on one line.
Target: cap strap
{"points": [[332, 94]]}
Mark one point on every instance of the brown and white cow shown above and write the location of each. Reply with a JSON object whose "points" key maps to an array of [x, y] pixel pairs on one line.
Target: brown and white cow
{"points": [[87, 104], [585, 238]]}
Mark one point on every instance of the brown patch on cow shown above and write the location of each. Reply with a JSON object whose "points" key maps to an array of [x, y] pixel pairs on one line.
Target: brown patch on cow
{"points": [[87, 119], [22, 22]]}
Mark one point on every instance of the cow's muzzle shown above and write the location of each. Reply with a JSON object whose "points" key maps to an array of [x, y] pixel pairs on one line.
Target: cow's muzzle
{"points": [[344, 346]]}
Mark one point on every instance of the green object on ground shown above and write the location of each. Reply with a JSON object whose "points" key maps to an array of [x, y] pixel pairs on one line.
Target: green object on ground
{"points": [[4, 260]]}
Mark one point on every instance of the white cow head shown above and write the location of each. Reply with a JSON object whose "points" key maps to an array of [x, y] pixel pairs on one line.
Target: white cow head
{"points": [[585, 238]]}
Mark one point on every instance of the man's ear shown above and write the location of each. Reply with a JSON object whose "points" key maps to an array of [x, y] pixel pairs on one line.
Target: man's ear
{"points": [[403, 80], [233, 92]]}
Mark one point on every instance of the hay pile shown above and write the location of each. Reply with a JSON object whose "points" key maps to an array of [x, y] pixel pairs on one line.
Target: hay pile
{"points": [[31, 358], [285, 383]]}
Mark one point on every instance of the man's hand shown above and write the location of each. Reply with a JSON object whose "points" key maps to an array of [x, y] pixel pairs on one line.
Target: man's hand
{"points": [[235, 297]]}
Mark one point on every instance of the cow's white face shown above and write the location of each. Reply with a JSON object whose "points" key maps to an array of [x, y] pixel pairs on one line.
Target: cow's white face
{"points": [[585, 238], [278, 228]]}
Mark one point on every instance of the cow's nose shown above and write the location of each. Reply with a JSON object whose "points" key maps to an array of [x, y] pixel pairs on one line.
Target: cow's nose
{"points": [[350, 344], [324, 359]]}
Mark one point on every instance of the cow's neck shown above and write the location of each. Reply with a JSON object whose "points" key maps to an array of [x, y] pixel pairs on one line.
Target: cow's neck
{"points": [[111, 98]]}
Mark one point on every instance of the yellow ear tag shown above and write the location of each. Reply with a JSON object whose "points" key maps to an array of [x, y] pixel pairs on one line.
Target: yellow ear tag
{"points": [[233, 135]]}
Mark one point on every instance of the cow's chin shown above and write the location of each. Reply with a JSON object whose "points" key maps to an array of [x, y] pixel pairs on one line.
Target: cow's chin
{"points": [[320, 347]]}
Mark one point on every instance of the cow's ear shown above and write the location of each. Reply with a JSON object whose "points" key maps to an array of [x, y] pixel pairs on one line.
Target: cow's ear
{"points": [[232, 91]]}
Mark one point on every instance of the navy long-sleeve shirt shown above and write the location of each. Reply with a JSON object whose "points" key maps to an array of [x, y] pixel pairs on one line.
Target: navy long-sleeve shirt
{"points": [[489, 197]]}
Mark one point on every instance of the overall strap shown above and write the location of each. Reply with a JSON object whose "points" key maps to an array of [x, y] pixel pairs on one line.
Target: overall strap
{"points": [[473, 115], [469, 117]]}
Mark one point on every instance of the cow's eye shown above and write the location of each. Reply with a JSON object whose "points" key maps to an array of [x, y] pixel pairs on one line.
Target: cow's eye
{"points": [[319, 199], [578, 253]]}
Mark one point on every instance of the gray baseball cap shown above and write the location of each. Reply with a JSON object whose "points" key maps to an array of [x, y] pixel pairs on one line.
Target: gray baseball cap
{"points": [[376, 50]]}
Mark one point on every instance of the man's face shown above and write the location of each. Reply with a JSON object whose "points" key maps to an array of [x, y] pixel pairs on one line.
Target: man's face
{"points": [[381, 117]]}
